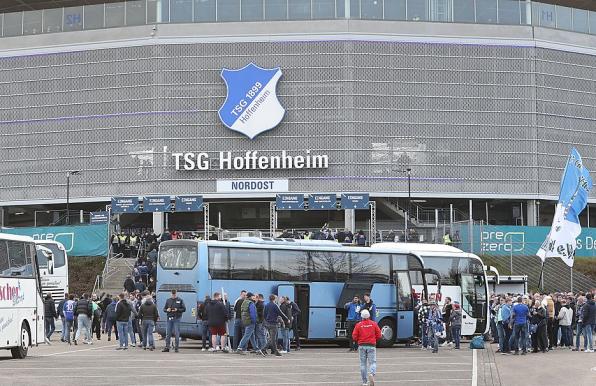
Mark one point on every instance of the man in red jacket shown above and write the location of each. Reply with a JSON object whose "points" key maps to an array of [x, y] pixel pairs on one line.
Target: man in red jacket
{"points": [[366, 333]]}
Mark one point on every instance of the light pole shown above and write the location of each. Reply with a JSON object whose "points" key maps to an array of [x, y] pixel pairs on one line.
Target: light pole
{"points": [[68, 174]]}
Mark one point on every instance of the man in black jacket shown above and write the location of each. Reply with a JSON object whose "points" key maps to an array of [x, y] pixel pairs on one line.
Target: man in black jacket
{"points": [[174, 308], [238, 328], [148, 315], [129, 284], [84, 313], [50, 314], [217, 316], [123, 311]]}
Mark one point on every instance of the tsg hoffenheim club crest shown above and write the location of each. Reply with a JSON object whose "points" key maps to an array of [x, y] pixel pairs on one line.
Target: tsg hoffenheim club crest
{"points": [[251, 106]]}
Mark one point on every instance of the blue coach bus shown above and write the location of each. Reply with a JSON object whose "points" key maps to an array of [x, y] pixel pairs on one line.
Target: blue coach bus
{"points": [[320, 276]]}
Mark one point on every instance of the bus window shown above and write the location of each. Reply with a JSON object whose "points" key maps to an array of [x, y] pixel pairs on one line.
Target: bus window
{"points": [[447, 268], [4, 265], [219, 263], [58, 256], [468, 293], [400, 262], [249, 264], [370, 267], [288, 265], [178, 256], [329, 266], [404, 292], [414, 263], [20, 263]]}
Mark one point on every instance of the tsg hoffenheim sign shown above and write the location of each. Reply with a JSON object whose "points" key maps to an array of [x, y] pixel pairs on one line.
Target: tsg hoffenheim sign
{"points": [[251, 105]]}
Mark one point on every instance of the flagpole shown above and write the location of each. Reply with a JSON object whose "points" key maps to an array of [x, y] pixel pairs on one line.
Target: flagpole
{"points": [[571, 275], [542, 277]]}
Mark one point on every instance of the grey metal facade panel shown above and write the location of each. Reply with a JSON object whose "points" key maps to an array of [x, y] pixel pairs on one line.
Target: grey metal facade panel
{"points": [[467, 118]]}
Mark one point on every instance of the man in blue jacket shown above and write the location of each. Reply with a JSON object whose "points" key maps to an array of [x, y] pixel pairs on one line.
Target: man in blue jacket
{"points": [[248, 313], [503, 315], [272, 314], [352, 319]]}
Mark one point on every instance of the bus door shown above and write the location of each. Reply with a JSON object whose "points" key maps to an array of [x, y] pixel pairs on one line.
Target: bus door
{"points": [[300, 294], [404, 305], [468, 302]]}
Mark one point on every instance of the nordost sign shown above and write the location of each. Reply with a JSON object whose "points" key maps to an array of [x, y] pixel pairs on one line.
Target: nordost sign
{"points": [[251, 108]]}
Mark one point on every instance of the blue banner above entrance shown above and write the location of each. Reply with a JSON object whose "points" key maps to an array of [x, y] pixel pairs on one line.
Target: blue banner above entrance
{"points": [[125, 204], [322, 202], [354, 201], [189, 203], [289, 201], [99, 217], [156, 204]]}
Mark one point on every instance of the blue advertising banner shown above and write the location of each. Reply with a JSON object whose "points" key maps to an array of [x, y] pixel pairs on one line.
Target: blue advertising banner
{"points": [[504, 240], [354, 201], [125, 204], [289, 201], [156, 204], [189, 203], [99, 217], [78, 240], [322, 202]]}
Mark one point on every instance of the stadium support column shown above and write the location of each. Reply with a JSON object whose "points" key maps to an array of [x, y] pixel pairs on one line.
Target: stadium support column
{"points": [[350, 220], [531, 214], [158, 219]]}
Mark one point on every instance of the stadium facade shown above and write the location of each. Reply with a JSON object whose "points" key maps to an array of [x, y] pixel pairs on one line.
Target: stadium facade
{"points": [[481, 99]]}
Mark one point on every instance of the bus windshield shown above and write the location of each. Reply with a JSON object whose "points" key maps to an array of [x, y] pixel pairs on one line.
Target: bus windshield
{"points": [[175, 256], [59, 256]]}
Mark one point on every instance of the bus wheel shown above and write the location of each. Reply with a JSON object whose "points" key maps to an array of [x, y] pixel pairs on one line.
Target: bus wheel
{"points": [[20, 352], [388, 332]]}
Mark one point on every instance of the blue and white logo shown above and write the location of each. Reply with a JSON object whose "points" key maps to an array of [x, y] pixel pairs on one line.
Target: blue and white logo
{"points": [[251, 106]]}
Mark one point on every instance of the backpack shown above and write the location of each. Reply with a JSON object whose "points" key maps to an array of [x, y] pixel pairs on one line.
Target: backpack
{"points": [[69, 310], [477, 343]]}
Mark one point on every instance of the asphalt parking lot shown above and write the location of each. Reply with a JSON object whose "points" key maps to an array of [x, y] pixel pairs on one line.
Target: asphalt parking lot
{"points": [[101, 364]]}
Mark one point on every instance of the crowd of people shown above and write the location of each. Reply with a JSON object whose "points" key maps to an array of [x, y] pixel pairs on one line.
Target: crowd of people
{"points": [[543, 322]]}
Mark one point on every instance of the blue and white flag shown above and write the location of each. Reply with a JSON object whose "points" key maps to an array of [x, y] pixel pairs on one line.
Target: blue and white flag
{"points": [[573, 198]]}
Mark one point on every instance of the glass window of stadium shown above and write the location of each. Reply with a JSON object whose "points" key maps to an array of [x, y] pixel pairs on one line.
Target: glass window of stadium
{"points": [[371, 9], [52, 20], [115, 15], [299, 9], [32, 22], [205, 10], [563, 17], [13, 24], [486, 11], [94, 16], [417, 10], [158, 11], [73, 19], [354, 9], [323, 9], [276, 9], [135, 12], [543, 14], [181, 11], [1, 23], [395, 10], [593, 22], [464, 11], [580, 20], [440, 10], [252, 10], [509, 12], [228, 10]]}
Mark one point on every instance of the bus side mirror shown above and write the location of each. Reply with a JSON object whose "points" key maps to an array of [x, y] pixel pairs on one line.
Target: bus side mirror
{"points": [[51, 264]]}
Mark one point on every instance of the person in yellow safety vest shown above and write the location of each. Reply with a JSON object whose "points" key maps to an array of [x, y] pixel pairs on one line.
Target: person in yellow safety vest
{"points": [[121, 242], [133, 241], [307, 235], [447, 239]]}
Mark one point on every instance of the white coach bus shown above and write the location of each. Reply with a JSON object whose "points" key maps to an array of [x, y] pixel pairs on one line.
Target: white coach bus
{"points": [[21, 303]]}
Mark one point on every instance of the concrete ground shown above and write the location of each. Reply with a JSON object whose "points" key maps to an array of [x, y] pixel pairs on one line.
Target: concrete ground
{"points": [[101, 364]]}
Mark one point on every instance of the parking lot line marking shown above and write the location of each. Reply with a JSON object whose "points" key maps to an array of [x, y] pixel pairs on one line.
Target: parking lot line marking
{"points": [[75, 351], [474, 368], [201, 366]]}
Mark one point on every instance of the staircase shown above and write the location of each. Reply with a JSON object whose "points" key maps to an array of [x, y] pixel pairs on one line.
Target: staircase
{"points": [[114, 275]]}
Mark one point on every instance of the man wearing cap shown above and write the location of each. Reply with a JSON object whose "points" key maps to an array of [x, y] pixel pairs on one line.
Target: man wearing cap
{"points": [[174, 308], [434, 322], [248, 312], [366, 334]]}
